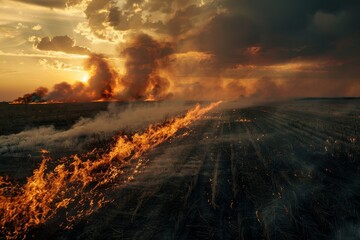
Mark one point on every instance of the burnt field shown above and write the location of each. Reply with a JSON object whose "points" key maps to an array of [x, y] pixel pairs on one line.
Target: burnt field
{"points": [[18, 117], [286, 170]]}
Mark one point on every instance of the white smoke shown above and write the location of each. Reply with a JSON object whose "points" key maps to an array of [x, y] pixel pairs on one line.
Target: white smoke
{"points": [[104, 125]]}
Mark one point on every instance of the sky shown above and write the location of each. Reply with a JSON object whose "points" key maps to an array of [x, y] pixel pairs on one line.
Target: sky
{"points": [[88, 50]]}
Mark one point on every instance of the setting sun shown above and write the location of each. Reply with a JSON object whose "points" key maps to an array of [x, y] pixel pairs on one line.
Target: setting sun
{"points": [[85, 78]]}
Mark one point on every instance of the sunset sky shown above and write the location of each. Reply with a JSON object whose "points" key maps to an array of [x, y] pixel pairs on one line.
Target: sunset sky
{"points": [[180, 49]]}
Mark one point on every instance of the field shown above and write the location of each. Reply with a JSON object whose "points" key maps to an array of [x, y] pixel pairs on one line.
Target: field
{"points": [[287, 170]]}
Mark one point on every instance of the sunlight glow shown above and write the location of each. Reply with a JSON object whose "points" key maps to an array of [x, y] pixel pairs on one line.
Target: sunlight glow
{"points": [[85, 78]]}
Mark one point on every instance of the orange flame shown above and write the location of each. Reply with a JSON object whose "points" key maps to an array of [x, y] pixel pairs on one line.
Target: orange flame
{"points": [[74, 186]]}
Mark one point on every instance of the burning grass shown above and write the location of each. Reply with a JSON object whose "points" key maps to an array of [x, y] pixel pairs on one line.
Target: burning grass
{"points": [[74, 187]]}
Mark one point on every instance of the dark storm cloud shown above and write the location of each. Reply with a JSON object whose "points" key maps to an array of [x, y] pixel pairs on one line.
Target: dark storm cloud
{"points": [[227, 37], [229, 29], [46, 3], [178, 16], [95, 16], [261, 33], [61, 44], [123, 20], [282, 30], [183, 20], [100, 13]]}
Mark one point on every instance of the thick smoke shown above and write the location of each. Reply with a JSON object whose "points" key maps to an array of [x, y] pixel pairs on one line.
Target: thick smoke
{"points": [[103, 77], [69, 92], [144, 57], [36, 96], [86, 131], [100, 85]]}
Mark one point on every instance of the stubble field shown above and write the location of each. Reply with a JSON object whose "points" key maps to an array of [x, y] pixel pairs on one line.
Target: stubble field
{"points": [[286, 170]]}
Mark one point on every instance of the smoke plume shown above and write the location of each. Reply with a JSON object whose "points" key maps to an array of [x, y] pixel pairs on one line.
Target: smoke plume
{"points": [[36, 96], [100, 85], [66, 92], [103, 77], [144, 57]]}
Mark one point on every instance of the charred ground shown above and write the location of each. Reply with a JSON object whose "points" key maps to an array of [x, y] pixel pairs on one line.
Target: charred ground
{"points": [[278, 171], [15, 118]]}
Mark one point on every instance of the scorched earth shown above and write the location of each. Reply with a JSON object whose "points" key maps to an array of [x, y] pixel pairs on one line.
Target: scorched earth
{"points": [[286, 170]]}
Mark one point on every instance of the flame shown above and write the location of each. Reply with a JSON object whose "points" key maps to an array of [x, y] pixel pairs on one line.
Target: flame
{"points": [[74, 187]]}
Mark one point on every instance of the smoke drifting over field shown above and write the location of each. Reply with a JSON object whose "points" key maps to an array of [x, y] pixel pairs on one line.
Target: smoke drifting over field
{"points": [[86, 130], [143, 59]]}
